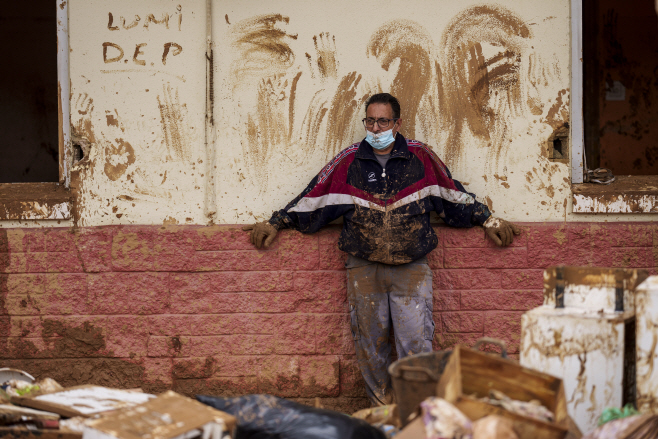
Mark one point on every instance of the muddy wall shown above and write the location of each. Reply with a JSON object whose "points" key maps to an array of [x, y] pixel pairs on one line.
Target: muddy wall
{"points": [[485, 85], [138, 84], [200, 310], [220, 112]]}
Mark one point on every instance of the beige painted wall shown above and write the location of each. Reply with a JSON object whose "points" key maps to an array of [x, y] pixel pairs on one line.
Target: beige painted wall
{"points": [[144, 113], [485, 85]]}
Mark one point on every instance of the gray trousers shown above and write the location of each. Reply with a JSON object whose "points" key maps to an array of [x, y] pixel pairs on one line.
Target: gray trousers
{"points": [[382, 295]]}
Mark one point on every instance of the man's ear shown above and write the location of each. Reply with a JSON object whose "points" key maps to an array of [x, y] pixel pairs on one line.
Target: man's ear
{"points": [[398, 125]]}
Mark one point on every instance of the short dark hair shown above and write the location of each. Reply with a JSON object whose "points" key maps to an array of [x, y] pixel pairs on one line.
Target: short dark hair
{"points": [[385, 98]]}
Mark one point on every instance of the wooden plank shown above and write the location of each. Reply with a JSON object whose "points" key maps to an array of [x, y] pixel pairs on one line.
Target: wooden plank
{"points": [[24, 433], [46, 406], [34, 201]]}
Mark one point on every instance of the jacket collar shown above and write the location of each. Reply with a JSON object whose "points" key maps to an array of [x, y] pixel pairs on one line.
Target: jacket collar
{"points": [[400, 149]]}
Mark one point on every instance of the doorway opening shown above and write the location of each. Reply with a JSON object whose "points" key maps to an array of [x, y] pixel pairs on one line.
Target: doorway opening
{"points": [[620, 85]]}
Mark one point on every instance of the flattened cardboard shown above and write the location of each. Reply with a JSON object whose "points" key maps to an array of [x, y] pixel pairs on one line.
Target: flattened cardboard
{"points": [[167, 416], [83, 401]]}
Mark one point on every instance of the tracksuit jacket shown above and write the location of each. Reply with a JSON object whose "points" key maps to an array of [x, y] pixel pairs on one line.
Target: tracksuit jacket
{"points": [[386, 211]]}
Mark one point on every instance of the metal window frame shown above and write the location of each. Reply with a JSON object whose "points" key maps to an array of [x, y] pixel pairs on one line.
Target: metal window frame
{"points": [[577, 119], [63, 92]]}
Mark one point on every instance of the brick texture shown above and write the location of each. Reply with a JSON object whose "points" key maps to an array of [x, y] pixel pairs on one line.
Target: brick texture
{"points": [[200, 310]]}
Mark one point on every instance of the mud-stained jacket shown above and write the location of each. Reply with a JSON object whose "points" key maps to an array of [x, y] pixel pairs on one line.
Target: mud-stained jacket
{"points": [[386, 211]]}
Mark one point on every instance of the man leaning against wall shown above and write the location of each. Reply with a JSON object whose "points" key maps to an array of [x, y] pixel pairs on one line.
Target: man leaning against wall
{"points": [[385, 187]]}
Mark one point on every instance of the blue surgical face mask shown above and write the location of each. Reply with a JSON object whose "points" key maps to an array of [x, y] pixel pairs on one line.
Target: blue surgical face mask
{"points": [[380, 140]]}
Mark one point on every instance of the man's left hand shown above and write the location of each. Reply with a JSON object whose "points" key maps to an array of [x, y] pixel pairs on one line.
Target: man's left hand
{"points": [[500, 231]]}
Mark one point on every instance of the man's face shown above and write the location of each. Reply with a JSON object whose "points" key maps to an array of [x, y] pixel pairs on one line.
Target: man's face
{"points": [[382, 111]]}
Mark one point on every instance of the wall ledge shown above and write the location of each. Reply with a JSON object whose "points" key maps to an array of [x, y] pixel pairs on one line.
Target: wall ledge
{"points": [[34, 201], [627, 194]]}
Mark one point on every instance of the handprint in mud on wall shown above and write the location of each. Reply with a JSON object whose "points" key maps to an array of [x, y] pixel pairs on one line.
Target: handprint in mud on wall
{"points": [[268, 127], [107, 141], [475, 85], [325, 48], [265, 69]]}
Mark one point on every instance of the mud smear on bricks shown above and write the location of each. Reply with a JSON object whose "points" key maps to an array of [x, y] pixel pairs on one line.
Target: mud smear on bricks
{"points": [[195, 368], [81, 341], [68, 362], [175, 344]]}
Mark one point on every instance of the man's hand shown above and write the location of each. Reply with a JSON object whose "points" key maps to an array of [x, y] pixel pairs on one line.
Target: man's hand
{"points": [[500, 231], [261, 231]]}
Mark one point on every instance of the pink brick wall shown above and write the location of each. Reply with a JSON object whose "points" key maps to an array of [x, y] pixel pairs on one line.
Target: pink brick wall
{"points": [[199, 310]]}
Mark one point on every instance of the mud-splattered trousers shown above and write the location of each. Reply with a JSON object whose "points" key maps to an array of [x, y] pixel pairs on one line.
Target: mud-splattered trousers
{"points": [[382, 295]]}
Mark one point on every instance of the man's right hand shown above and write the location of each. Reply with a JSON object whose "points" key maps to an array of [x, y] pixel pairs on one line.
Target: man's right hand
{"points": [[260, 232]]}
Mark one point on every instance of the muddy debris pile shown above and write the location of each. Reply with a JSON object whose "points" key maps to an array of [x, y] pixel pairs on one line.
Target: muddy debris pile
{"points": [[464, 393], [44, 409]]}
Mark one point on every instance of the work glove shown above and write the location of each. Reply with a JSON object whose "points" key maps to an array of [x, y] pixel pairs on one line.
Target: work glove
{"points": [[261, 231], [500, 231]]}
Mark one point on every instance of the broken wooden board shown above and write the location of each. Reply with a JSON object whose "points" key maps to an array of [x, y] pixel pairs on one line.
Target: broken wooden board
{"points": [[8, 409], [470, 375]]}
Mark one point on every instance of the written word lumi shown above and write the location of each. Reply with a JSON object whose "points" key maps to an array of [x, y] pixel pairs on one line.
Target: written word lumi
{"points": [[150, 18]]}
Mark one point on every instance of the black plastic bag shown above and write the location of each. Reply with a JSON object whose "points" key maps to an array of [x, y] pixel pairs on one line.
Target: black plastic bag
{"points": [[269, 417]]}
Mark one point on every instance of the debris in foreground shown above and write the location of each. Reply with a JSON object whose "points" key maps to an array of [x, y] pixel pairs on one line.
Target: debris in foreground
{"points": [[385, 418], [264, 416], [168, 416], [83, 401]]}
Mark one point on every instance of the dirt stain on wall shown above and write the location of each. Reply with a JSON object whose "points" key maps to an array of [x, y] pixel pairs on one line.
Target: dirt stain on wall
{"points": [[481, 79], [263, 47], [342, 112], [482, 98], [291, 103], [411, 44], [82, 128], [558, 114], [174, 126], [119, 155], [269, 125], [111, 119], [325, 46]]}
